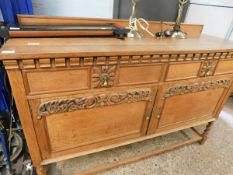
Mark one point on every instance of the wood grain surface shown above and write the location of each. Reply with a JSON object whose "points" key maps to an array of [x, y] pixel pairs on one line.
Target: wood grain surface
{"points": [[73, 47]]}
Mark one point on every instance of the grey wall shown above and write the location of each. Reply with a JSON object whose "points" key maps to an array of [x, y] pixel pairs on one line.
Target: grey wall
{"points": [[74, 8], [215, 15], [159, 10]]}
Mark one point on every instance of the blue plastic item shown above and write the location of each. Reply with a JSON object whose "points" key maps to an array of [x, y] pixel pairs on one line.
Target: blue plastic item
{"points": [[10, 8], [4, 97]]}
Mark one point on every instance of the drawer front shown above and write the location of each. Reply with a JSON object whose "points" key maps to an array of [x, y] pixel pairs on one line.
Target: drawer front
{"points": [[224, 67], [177, 71], [140, 74], [50, 81], [87, 121], [45, 81]]}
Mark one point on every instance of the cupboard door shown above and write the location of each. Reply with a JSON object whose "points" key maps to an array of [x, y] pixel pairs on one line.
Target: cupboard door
{"points": [[71, 124], [184, 104]]}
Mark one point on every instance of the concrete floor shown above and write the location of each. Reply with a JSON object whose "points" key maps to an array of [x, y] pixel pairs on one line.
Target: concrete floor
{"points": [[215, 157]]}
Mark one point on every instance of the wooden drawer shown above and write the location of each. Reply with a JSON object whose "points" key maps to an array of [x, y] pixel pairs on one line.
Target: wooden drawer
{"points": [[140, 74], [224, 67], [86, 121], [60, 80], [64, 79], [177, 71]]}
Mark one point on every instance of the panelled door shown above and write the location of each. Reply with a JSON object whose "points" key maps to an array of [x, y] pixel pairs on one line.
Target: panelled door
{"points": [[186, 103], [84, 121]]}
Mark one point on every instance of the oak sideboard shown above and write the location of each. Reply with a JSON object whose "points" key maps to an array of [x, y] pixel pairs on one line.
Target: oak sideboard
{"points": [[77, 96]]}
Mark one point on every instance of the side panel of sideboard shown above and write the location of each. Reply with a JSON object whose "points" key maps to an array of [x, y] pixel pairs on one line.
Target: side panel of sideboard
{"points": [[23, 108]]}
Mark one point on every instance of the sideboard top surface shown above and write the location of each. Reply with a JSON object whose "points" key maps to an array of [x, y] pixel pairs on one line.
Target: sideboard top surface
{"points": [[23, 48]]}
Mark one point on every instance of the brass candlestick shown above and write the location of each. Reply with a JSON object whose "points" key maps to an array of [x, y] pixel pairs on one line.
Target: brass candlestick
{"points": [[176, 32], [133, 22]]}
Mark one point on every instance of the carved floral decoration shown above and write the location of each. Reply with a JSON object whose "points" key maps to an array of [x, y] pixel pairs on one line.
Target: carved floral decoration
{"points": [[73, 104], [103, 76], [196, 87], [207, 68]]}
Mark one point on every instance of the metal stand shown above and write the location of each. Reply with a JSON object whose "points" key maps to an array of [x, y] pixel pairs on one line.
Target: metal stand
{"points": [[176, 31], [179, 35]]}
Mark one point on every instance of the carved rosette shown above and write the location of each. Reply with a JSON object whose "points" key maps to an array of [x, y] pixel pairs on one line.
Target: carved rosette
{"points": [[207, 68], [184, 89], [103, 76], [73, 104]]}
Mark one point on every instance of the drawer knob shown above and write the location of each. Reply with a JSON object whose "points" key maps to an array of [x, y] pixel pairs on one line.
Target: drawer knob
{"points": [[103, 76], [105, 79]]}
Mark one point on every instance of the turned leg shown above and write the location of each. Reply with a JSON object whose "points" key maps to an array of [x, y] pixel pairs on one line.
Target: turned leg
{"points": [[206, 132], [41, 170]]}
